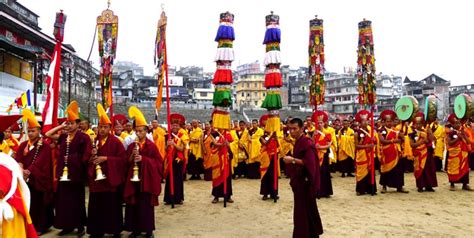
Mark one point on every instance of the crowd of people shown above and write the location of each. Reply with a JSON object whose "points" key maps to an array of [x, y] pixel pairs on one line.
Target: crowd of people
{"points": [[126, 159]]}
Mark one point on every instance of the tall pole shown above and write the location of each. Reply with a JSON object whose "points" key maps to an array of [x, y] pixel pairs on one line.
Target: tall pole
{"points": [[35, 84], [69, 86]]}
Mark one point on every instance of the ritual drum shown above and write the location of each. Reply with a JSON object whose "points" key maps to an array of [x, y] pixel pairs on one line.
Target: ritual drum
{"points": [[463, 106], [431, 108], [406, 107]]}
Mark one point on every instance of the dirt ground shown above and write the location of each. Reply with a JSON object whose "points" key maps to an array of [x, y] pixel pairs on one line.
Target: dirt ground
{"points": [[440, 214]]}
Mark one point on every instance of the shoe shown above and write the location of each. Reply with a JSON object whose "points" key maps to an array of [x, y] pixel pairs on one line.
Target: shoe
{"points": [[358, 194], [402, 190], [384, 190], [420, 190], [64, 232], [452, 188], [81, 231], [343, 175], [265, 197], [230, 200], [467, 188], [133, 235], [149, 235], [429, 189], [275, 197], [215, 200]]}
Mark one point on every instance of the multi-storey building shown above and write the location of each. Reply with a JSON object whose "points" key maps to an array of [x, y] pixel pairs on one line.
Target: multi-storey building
{"points": [[249, 86], [432, 84], [25, 54]]}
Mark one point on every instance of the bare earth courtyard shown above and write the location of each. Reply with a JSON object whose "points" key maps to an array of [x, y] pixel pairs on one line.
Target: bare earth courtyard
{"points": [[439, 214]]}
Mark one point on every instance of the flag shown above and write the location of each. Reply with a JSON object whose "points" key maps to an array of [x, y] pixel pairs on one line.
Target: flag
{"points": [[25, 100], [9, 108], [160, 58], [50, 111]]}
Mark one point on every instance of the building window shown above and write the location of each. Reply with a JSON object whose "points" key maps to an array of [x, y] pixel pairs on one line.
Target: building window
{"points": [[243, 94], [255, 85], [256, 103], [248, 94], [247, 85], [256, 94], [264, 94]]}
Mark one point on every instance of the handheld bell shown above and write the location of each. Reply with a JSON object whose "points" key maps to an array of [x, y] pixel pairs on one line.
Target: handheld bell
{"points": [[65, 175], [135, 177], [98, 173]]}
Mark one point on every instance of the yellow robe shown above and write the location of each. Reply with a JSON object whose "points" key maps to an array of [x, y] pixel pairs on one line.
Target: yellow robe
{"points": [[5, 148], [124, 135], [91, 134], [334, 148], [255, 146], [160, 140], [234, 147], [346, 145], [440, 135], [196, 147]]}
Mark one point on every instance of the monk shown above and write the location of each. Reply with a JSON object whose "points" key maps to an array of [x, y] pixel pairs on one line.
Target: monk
{"points": [[269, 152], [159, 138], [439, 144], [303, 169], [176, 148], [195, 165], [364, 145], [391, 168], [34, 157], [206, 151], [423, 161], [469, 131], [253, 166], [241, 150], [221, 167], [322, 140], [345, 157], [74, 153], [11, 140], [105, 196], [85, 127], [458, 163], [142, 196]]}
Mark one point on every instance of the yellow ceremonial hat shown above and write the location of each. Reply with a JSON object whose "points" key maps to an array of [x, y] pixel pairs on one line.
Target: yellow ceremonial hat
{"points": [[30, 118], [137, 115], [72, 111], [103, 117]]}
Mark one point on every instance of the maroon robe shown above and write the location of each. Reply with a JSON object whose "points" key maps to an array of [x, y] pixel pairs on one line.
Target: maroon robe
{"points": [[37, 159], [141, 197], [105, 197], [70, 200], [305, 181]]}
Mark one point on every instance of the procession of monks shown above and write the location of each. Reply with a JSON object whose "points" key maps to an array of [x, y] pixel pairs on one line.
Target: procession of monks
{"points": [[124, 160]]}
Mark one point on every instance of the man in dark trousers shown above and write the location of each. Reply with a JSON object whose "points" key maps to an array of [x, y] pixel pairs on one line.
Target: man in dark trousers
{"points": [[303, 169]]}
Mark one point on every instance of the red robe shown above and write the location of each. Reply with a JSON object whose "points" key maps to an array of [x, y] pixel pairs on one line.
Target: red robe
{"points": [[151, 173], [114, 168], [141, 197], [40, 181], [70, 202], [305, 181], [105, 199]]}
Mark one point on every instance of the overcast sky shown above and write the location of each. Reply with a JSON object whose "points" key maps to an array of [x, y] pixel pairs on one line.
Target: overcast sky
{"points": [[412, 38]]}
